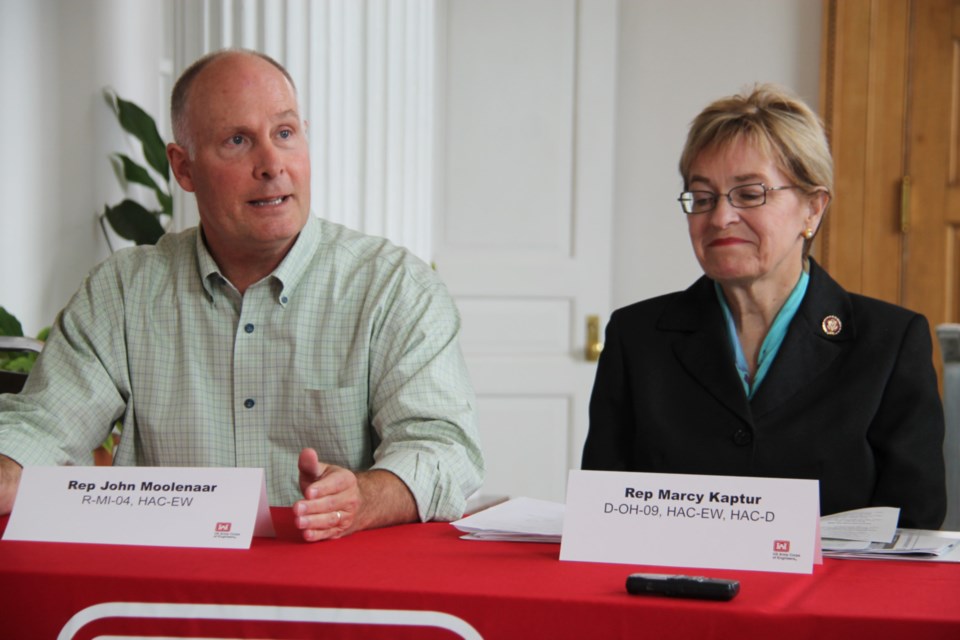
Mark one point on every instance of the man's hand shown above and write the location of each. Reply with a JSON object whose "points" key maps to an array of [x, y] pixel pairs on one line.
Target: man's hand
{"points": [[331, 499], [9, 483], [338, 502]]}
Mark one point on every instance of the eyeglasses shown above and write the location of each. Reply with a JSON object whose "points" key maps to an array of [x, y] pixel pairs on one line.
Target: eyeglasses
{"points": [[746, 196]]}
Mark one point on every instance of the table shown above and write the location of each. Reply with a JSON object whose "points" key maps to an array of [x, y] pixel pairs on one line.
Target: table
{"points": [[423, 581]]}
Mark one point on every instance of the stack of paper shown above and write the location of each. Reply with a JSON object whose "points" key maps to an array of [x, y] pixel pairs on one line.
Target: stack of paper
{"points": [[904, 544], [873, 533], [517, 520], [862, 533]]}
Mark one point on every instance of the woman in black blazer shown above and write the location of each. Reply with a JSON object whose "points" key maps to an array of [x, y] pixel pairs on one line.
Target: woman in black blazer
{"points": [[765, 366]]}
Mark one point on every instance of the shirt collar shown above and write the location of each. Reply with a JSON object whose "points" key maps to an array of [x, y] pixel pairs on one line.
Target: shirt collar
{"points": [[298, 259], [287, 275], [206, 266]]}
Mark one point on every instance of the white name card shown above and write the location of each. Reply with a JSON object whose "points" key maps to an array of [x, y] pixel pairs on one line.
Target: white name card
{"points": [[218, 507], [722, 522]]}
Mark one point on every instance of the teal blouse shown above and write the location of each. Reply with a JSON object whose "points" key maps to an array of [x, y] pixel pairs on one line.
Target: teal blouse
{"points": [[771, 344]]}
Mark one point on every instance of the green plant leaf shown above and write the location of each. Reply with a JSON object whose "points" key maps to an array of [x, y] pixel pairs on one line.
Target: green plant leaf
{"points": [[138, 122], [9, 325], [166, 203], [131, 220], [133, 172]]}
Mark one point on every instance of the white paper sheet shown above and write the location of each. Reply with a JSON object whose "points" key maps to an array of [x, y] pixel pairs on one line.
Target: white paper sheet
{"points": [[873, 524], [517, 520]]}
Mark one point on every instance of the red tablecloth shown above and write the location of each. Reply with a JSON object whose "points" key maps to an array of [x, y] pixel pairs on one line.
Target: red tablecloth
{"points": [[493, 589]]}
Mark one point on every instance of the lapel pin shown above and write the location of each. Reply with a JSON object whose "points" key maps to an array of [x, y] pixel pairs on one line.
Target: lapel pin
{"points": [[831, 325]]}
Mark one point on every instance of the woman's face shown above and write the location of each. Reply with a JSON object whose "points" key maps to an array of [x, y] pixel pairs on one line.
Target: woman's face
{"points": [[747, 246]]}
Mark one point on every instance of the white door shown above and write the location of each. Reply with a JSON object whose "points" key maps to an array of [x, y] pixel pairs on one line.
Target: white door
{"points": [[523, 220]]}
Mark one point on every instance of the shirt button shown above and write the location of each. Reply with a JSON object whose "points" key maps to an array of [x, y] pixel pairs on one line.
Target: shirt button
{"points": [[284, 299], [248, 403], [742, 437], [248, 327]]}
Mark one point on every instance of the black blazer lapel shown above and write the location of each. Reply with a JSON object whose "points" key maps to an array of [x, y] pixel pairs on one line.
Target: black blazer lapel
{"points": [[812, 343], [705, 351]]}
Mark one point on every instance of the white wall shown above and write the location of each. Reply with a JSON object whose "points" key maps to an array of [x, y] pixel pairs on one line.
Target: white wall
{"points": [[30, 172], [56, 57], [675, 56]]}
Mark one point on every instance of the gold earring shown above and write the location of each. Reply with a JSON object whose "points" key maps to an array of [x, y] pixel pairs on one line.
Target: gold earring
{"points": [[808, 233]]}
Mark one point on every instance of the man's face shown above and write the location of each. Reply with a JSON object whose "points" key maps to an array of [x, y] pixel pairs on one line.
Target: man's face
{"points": [[248, 164]]}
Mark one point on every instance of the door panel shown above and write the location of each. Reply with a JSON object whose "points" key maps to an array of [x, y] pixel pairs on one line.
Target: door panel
{"points": [[509, 127], [862, 105], [930, 277]]}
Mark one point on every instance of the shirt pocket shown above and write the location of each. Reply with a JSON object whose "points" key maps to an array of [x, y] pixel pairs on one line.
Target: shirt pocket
{"points": [[336, 423]]}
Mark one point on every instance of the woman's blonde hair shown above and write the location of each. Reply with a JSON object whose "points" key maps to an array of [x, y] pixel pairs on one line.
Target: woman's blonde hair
{"points": [[782, 125], [779, 124]]}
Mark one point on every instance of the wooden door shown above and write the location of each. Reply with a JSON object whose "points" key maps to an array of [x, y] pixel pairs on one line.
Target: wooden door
{"points": [[890, 98], [931, 271]]}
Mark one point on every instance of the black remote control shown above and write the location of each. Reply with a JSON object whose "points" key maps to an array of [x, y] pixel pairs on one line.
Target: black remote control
{"points": [[682, 586]]}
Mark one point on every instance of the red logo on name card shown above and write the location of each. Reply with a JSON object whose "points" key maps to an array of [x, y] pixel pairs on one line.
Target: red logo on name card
{"points": [[781, 545], [223, 526]]}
